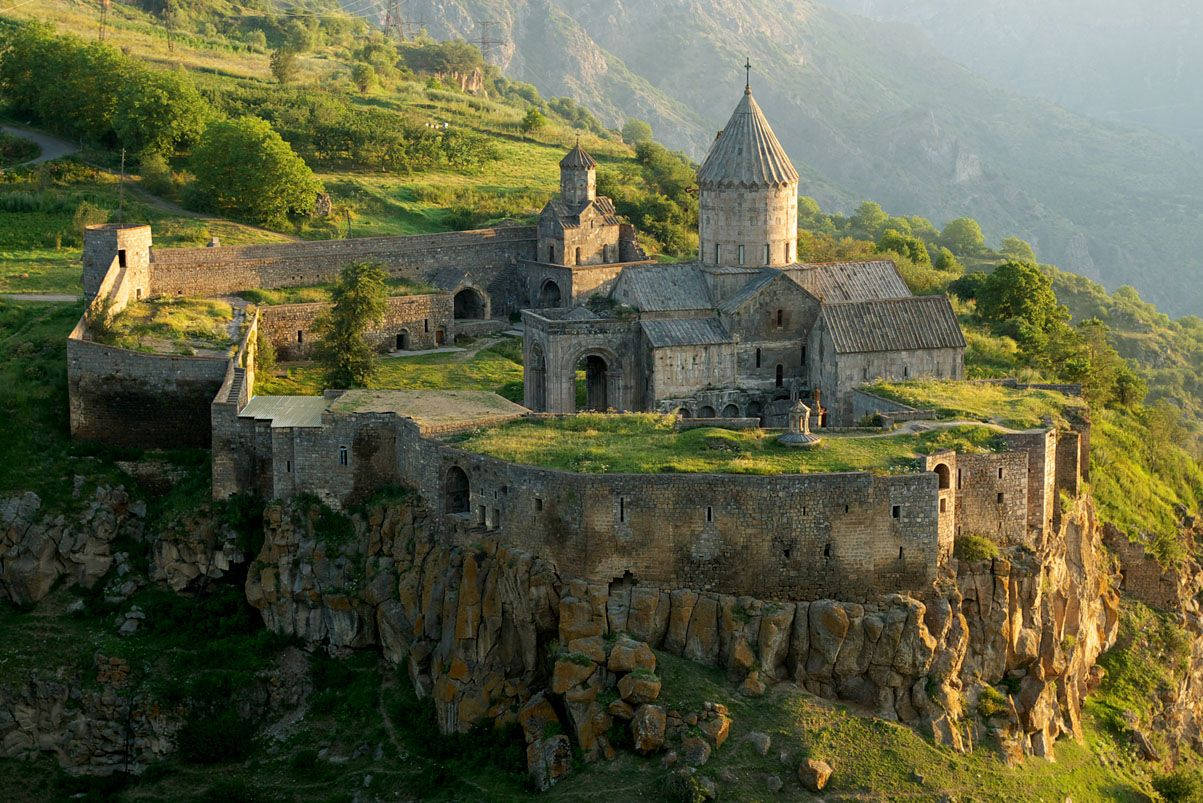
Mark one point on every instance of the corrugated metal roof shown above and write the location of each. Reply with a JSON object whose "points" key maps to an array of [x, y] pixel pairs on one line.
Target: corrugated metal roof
{"points": [[663, 288], [900, 324], [698, 332], [838, 282], [287, 411], [747, 152]]}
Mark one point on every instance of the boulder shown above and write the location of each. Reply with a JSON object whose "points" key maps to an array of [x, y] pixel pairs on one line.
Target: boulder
{"points": [[537, 718], [716, 727], [648, 728], [570, 671], [814, 774], [548, 760], [761, 742], [638, 688], [695, 751], [628, 655]]}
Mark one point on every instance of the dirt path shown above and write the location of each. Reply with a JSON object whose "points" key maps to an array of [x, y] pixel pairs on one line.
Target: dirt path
{"points": [[52, 147]]}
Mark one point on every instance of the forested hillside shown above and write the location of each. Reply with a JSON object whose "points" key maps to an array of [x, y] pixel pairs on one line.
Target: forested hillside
{"points": [[869, 110]]}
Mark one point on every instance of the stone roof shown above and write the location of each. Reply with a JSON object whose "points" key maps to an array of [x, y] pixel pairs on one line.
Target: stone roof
{"points": [[663, 288], [900, 324], [747, 152], [677, 332], [749, 291], [570, 216], [838, 282], [577, 159]]}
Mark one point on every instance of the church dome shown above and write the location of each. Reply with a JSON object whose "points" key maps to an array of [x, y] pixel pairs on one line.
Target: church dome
{"points": [[747, 152], [577, 159]]}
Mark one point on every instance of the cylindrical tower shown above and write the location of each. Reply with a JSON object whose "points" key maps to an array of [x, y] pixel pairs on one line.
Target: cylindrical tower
{"points": [[578, 177], [747, 195]]}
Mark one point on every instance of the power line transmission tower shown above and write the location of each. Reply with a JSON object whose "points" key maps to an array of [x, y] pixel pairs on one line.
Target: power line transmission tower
{"points": [[102, 33], [484, 42]]}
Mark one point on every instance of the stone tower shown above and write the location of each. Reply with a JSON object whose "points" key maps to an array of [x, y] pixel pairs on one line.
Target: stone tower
{"points": [[747, 195], [109, 245], [578, 178]]}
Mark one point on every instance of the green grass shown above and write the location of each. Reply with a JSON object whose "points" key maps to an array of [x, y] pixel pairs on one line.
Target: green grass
{"points": [[496, 368], [1018, 409], [645, 443], [174, 325], [320, 293]]}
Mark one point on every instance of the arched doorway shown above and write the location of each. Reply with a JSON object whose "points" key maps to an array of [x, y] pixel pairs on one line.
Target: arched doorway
{"points": [[780, 376], [756, 410], [457, 496], [706, 411], [403, 340], [549, 295], [440, 337], [945, 476], [537, 376], [596, 392], [469, 304], [683, 412], [730, 411]]}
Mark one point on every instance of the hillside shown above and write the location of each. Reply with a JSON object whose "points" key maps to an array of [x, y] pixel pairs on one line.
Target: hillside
{"points": [[868, 110], [1128, 61]]}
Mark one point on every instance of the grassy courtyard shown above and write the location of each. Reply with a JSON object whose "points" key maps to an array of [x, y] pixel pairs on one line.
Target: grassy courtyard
{"points": [[173, 326], [644, 443], [1008, 407]]}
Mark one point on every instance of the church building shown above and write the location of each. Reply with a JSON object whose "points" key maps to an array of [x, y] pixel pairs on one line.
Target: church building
{"points": [[743, 330]]}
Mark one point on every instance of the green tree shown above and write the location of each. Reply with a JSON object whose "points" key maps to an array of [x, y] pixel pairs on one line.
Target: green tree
{"points": [[1017, 299], [907, 245], [636, 131], [1017, 249], [363, 76], [284, 64], [533, 121], [245, 170], [159, 112], [359, 297], [947, 261], [963, 237], [969, 286], [868, 220]]}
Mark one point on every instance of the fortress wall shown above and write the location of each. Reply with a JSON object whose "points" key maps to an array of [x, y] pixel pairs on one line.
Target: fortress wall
{"points": [[421, 317], [226, 269], [128, 398], [1042, 474], [992, 496], [236, 453]]}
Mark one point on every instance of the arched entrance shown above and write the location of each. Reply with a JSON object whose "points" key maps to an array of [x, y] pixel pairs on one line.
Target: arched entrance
{"points": [[403, 340], [945, 476], [730, 411], [469, 304], [596, 392], [683, 412], [537, 377], [440, 337], [549, 295], [457, 496], [706, 411], [756, 410]]}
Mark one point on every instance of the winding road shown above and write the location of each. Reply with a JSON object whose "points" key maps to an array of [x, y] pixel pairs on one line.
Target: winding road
{"points": [[52, 147]]}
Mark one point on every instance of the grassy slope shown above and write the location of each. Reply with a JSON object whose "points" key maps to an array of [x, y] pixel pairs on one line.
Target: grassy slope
{"points": [[649, 444], [1019, 409]]}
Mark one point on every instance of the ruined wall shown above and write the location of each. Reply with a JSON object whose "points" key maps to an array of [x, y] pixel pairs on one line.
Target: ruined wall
{"points": [[213, 271], [992, 496], [1042, 474], [419, 317], [125, 248], [129, 398], [854, 370]]}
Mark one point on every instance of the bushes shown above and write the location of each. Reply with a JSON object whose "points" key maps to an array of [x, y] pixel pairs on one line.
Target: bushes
{"points": [[1180, 786], [974, 548]]}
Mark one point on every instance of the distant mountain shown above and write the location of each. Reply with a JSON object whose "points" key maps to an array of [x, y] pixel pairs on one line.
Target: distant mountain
{"points": [[1135, 61], [868, 110]]}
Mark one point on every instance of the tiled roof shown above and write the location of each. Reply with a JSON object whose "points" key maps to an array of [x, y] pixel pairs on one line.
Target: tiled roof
{"points": [[837, 282], [663, 288], [674, 332], [747, 152], [578, 159], [900, 324], [570, 217]]}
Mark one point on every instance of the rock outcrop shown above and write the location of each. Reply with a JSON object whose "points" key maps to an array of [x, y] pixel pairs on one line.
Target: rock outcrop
{"points": [[473, 624], [38, 549], [194, 550]]}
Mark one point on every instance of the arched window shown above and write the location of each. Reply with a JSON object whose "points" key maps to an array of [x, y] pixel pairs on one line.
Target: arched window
{"points": [[780, 318], [741, 255], [456, 491], [730, 411], [768, 256], [757, 358], [780, 376], [578, 255], [551, 253], [945, 476]]}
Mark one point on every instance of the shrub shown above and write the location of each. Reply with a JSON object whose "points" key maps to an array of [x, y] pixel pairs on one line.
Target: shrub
{"points": [[974, 548], [1180, 785], [991, 702]]}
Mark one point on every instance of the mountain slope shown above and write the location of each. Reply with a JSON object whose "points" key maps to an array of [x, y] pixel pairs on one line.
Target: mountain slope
{"points": [[869, 110]]}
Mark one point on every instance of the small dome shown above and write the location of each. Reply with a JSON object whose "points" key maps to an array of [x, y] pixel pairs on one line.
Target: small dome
{"points": [[577, 159], [746, 153]]}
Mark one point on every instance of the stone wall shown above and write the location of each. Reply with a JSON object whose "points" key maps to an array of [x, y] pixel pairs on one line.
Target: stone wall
{"points": [[731, 218], [683, 370], [130, 398], [109, 247], [992, 496], [553, 348], [410, 323], [426, 257]]}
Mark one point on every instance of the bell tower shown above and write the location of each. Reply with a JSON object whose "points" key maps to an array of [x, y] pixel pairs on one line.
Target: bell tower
{"points": [[578, 177]]}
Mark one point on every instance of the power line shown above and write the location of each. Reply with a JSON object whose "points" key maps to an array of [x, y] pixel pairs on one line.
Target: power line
{"points": [[484, 43]]}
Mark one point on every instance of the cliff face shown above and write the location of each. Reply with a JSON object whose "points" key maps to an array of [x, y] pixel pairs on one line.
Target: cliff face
{"points": [[474, 624]]}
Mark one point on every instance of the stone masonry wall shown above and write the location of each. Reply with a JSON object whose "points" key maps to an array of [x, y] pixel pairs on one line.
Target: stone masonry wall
{"points": [[420, 317], [992, 496]]}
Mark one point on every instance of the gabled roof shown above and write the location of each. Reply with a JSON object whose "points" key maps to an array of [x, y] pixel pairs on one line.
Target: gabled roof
{"points": [[747, 152], [838, 282], [677, 332], [662, 288], [577, 159], [752, 289], [570, 216], [900, 324]]}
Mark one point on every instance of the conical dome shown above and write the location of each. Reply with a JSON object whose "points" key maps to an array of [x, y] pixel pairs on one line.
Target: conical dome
{"points": [[747, 153], [577, 159]]}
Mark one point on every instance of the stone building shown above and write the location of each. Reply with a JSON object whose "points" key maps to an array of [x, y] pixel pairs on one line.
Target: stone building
{"points": [[745, 328]]}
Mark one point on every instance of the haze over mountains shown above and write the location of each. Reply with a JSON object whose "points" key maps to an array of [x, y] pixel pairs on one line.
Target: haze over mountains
{"points": [[871, 110]]}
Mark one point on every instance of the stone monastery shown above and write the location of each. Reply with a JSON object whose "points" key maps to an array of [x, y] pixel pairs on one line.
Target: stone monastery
{"points": [[736, 338]]}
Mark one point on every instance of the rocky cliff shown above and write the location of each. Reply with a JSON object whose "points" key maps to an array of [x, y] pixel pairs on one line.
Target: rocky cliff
{"points": [[1005, 646]]}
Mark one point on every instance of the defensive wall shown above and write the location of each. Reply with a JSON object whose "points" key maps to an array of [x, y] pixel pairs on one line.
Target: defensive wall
{"points": [[410, 323]]}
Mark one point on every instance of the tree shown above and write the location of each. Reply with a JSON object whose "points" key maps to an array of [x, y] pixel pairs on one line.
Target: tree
{"points": [[968, 286], [359, 297], [947, 261], [907, 245], [963, 237], [1017, 249], [533, 121], [1017, 299], [159, 112], [284, 64], [636, 131], [363, 75], [868, 220], [245, 170]]}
